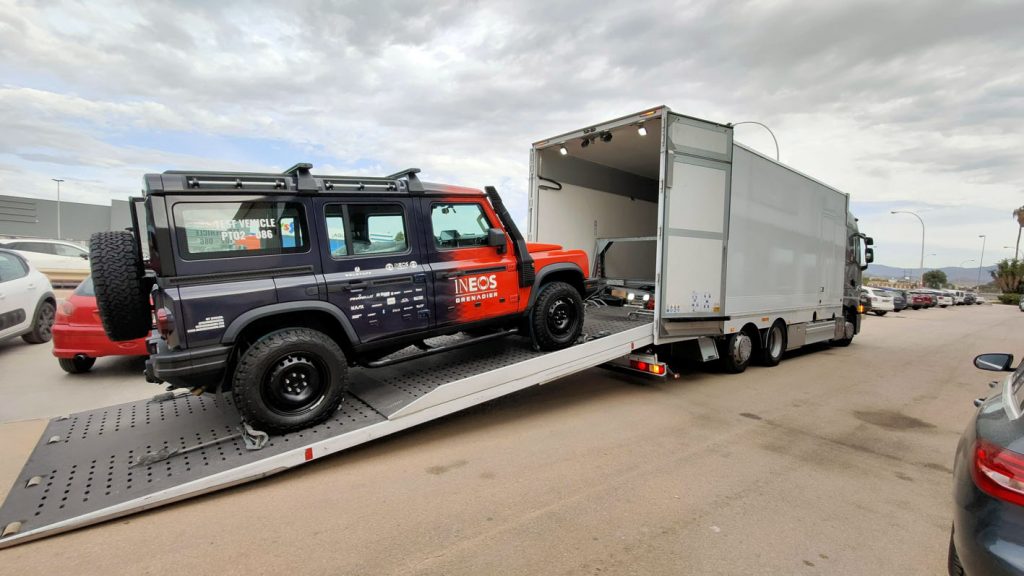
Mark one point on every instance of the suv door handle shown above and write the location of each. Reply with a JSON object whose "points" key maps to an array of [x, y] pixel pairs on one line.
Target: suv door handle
{"points": [[355, 285]]}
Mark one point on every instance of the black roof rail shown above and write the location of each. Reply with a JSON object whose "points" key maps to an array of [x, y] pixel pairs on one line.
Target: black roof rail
{"points": [[298, 178], [415, 186], [304, 181]]}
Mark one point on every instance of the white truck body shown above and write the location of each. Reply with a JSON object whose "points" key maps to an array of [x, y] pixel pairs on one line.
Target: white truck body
{"points": [[727, 237]]}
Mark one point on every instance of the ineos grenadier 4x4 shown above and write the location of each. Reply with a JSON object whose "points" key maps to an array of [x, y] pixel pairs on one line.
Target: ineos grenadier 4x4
{"points": [[273, 285]]}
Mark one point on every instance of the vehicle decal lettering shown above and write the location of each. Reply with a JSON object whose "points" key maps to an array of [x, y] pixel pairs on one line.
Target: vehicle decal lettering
{"points": [[210, 323], [474, 288]]}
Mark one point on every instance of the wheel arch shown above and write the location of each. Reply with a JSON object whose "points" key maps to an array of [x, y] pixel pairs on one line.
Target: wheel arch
{"points": [[316, 315], [567, 272]]}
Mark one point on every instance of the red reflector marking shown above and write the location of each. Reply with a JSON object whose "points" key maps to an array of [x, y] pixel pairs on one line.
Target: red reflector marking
{"points": [[309, 454]]}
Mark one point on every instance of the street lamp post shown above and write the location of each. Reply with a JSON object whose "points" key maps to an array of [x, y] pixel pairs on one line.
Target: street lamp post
{"points": [[981, 262], [58, 181], [769, 131], [915, 215]]}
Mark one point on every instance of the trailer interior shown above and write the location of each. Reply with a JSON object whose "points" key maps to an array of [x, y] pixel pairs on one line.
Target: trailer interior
{"points": [[607, 179]]}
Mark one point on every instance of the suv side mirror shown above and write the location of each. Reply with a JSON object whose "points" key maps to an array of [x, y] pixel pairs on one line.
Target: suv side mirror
{"points": [[994, 362], [496, 238]]}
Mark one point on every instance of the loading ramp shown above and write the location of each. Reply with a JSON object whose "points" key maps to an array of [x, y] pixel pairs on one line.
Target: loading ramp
{"points": [[84, 468]]}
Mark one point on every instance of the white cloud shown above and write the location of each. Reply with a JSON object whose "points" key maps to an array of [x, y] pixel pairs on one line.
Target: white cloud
{"points": [[918, 104]]}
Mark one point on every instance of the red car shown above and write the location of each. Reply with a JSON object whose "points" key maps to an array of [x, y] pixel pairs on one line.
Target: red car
{"points": [[78, 336]]}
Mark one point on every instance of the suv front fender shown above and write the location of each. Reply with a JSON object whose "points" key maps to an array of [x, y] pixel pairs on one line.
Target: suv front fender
{"points": [[560, 269]]}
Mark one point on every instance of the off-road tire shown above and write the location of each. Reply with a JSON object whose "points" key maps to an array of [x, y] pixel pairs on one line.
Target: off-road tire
{"points": [[736, 351], [122, 290], [76, 365], [774, 345], [42, 324], [263, 369], [556, 319]]}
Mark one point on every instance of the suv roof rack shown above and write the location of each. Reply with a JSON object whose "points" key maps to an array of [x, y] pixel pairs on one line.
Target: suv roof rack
{"points": [[297, 179]]}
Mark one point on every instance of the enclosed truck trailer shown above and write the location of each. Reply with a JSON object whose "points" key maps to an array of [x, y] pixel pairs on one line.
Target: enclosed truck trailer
{"points": [[737, 249], [736, 254]]}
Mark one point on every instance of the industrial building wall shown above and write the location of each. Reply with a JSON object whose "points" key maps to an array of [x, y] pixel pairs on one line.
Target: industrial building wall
{"points": [[37, 218]]}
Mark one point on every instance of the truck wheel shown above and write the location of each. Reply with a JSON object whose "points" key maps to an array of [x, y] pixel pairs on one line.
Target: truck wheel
{"points": [[42, 324], [736, 352], [557, 316], [290, 379], [76, 365], [774, 345], [122, 291]]}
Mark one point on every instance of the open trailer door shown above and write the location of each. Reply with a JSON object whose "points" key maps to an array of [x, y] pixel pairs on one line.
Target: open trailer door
{"points": [[695, 224]]}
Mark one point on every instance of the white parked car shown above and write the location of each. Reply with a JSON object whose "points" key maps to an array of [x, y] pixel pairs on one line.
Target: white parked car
{"points": [[959, 297], [27, 304], [946, 298], [881, 301], [51, 255]]}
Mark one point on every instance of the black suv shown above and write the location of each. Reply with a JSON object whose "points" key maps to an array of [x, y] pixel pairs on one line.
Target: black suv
{"points": [[272, 285]]}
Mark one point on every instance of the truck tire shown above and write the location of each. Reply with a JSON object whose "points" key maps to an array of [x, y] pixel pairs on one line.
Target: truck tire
{"points": [[736, 352], [76, 365], [290, 379], [556, 318], [774, 345], [122, 290], [42, 324]]}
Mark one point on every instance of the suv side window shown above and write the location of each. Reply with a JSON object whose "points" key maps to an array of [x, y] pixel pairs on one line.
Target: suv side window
{"points": [[64, 250], [459, 225], [11, 268], [37, 247], [365, 229], [245, 228]]}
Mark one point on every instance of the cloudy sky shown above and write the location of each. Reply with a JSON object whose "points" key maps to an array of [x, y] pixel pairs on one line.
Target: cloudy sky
{"points": [[904, 105]]}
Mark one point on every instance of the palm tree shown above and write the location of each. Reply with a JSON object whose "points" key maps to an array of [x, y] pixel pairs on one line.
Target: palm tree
{"points": [[1019, 215]]}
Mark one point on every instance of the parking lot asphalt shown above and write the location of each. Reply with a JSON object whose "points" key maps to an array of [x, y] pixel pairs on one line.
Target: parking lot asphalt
{"points": [[835, 462]]}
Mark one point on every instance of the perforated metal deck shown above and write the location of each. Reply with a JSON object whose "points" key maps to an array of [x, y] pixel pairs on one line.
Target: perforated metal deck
{"points": [[80, 471]]}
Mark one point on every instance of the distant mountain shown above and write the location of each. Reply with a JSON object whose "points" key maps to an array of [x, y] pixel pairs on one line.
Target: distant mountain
{"points": [[954, 274]]}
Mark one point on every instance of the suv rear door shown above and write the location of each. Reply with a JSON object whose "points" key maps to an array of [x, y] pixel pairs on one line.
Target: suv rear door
{"points": [[372, 265]]}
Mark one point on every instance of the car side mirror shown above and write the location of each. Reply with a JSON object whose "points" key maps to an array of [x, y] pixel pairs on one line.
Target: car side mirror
{"points": [[496, 238], [85, 256], [994, 362]]}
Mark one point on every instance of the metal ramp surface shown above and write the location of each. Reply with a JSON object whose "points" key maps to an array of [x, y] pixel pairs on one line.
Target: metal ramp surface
{"points": [[81, 473]]}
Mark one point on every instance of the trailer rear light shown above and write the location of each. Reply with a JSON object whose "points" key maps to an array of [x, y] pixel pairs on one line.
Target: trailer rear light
{"points": [[655, 368], [164, 322], [641, 130], [998, 472]]}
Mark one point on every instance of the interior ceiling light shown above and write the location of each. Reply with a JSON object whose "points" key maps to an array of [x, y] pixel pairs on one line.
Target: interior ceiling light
{"points": [[562, 150], [641, 130], [606, 136]]}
